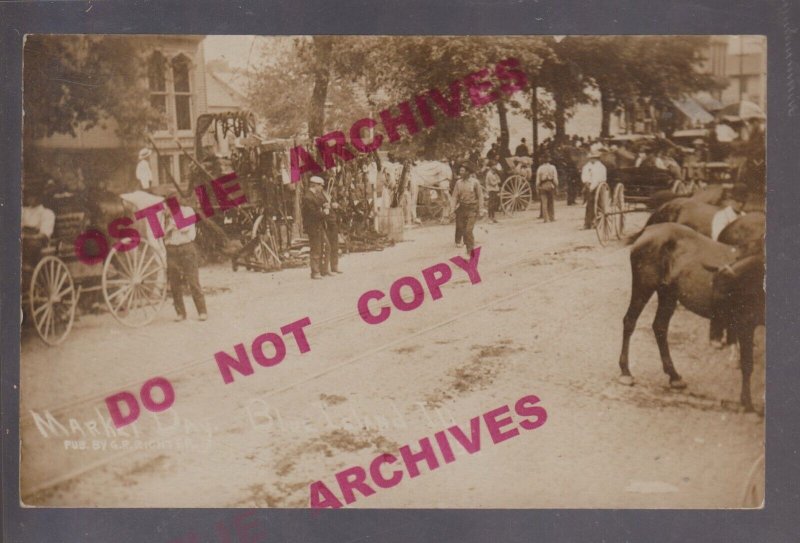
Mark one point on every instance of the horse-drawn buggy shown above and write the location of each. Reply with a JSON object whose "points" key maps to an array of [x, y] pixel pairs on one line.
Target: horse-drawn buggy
{"points": [[627, 190], [227, 142], [643, 186], [515, 194], [133, 282]]}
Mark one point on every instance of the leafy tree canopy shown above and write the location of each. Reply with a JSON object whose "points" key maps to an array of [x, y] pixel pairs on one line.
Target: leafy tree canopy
{"points": [[80, 81]]}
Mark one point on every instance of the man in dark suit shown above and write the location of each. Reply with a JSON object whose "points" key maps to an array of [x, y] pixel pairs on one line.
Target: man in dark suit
{"points": [[330, 252], [315, 209], [522, 149]]}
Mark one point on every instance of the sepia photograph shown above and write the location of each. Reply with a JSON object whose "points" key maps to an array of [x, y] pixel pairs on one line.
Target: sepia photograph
{"points": [[393, 272]]}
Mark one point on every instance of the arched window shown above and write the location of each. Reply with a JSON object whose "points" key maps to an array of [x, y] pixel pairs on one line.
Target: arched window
{"points": [[181, 80], [157, 83]]}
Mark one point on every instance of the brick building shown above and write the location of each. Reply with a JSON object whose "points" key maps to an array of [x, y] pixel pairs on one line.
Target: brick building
{"points": [[176, 82]]}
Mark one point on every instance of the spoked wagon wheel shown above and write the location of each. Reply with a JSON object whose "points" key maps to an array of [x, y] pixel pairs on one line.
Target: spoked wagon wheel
{"points": [[515, 194], [603, 221], [619, 207], [264, 253], [440, 206], [53, 300], [135, 284]]}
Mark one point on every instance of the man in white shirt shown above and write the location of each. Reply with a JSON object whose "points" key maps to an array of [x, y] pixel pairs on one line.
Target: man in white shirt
{"points": [[731, 212], [37, 220], [592, 176], [546, 184], [493, 182], [143, 173], [38, 224], [182, 262]]}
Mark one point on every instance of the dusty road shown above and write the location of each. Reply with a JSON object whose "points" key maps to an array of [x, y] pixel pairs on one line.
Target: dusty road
{"points": [[544, 320]]}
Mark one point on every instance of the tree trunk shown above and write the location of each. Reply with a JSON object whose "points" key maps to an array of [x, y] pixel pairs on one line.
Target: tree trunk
{"points": [[605, 112], [630, 117], [560, 116], [504, 136], [316, 116], [322, 75]]}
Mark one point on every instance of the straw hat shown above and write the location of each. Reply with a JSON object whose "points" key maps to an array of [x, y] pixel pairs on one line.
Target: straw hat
{"points": [[144, 153]]}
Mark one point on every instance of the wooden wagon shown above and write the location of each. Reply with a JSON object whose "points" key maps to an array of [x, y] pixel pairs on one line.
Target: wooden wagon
{"points": [[133, 283]]}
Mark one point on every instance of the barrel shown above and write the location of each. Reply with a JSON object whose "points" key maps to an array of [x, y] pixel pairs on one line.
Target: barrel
{"points": [[390, 222]]}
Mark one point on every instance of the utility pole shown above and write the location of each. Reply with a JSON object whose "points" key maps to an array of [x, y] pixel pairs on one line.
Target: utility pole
{"points": [[535, 119], [741, 68]]}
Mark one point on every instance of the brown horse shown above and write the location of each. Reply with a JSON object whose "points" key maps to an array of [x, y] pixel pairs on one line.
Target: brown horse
{"points": [[747, 232], [708, 278], [698, 213], [713, 195], [694, 214]]}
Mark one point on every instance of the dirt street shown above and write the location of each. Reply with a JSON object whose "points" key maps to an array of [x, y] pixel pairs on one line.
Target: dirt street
{"points": [[545, 320]]}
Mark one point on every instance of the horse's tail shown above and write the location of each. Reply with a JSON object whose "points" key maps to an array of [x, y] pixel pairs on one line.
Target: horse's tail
{"points": [[630, 240]]}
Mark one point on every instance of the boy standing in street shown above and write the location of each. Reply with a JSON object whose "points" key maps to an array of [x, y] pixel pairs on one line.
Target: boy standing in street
{"points": [[182, 263], [468, 203]]}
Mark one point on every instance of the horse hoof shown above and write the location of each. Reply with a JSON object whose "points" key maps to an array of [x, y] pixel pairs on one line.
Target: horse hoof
{"points": [[678, 384], [626, 380]]}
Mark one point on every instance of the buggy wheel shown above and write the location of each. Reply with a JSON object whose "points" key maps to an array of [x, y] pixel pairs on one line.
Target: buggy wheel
{"points": [[53, 300], [619, 208], [265, 254], [603, 221], [439, 207], [135, 284], [515, 194]]}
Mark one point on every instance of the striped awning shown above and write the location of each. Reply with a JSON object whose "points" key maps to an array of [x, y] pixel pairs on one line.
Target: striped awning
{"points": [[695, 112]]}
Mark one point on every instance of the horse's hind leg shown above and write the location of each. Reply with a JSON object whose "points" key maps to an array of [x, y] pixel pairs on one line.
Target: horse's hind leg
{"points": [[667, 301], [715, 331], [745, 337], [640, 295]]}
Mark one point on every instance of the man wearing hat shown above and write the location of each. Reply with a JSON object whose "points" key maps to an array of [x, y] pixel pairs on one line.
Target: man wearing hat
{"points": [[737, 197], [468, 203], [38, 222], [593, 175], [182, 265], [315, 210], [143, 173]]}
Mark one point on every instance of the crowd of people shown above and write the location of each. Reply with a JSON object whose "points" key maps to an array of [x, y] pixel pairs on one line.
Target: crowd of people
{"points": [[571, 165], [578, 165]]}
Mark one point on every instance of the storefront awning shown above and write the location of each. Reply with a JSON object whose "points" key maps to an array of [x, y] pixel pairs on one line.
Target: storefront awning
{"points": [[693, 111]]}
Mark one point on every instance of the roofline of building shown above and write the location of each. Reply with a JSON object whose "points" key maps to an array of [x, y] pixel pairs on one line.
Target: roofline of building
{"points": [[226, 85]]}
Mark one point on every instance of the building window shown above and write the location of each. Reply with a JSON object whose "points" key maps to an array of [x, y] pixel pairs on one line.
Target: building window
{"points": [[164, 169], [185, 164], [157, 83], [181, 81]]}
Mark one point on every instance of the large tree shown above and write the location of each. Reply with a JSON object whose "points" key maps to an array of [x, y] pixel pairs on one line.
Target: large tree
{"points": [[563, 77], [73, 82], [667, 68], [366, 74], [651, 69]]}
